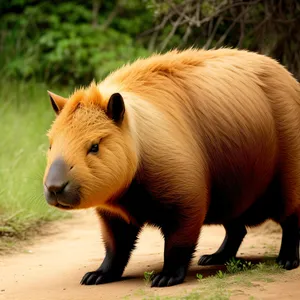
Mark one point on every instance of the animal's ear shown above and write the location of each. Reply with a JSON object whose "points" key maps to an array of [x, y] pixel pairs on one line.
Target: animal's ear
{"points": [[57, 102], [116, 108]]}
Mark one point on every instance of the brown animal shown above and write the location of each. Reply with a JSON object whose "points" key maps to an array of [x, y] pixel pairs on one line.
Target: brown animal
{"points": [[178, 141]]}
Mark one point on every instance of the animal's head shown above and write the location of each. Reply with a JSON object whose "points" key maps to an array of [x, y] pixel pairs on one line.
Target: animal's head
{"points": [[91, 157]]}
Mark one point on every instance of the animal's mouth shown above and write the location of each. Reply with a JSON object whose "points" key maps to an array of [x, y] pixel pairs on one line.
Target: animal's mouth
{"points": [[64, 206], [67, 200]]}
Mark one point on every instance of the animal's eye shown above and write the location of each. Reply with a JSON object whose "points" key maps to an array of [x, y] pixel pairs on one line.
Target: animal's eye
{"points": [[94, 148]]}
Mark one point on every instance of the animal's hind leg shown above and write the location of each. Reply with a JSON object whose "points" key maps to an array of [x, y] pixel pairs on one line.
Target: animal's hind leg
{"points": [[289, 250], [235, 233]]}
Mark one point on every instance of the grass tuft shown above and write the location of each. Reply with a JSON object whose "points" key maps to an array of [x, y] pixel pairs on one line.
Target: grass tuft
{"points": [[148, 276], [235, 266]]}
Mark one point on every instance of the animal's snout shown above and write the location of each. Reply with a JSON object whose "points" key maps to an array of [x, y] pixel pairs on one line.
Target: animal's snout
{"points": [[58, 189]]}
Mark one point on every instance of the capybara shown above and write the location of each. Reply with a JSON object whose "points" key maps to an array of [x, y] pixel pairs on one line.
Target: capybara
{"points": [[179, 140]]}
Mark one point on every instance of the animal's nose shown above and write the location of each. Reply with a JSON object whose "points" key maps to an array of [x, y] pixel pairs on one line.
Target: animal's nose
{"points": [[60, 190], [56, 180], [56, 187]]}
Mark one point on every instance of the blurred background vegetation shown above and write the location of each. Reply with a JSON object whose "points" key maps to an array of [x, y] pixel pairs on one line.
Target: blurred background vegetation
{"points": [[72, 42], [62, 44]]}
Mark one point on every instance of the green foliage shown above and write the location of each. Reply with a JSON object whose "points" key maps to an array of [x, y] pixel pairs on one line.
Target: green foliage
{"points": [[58, 44], [199, 276], [220, 274], [148, 276], [75, 41], [236, 266]]}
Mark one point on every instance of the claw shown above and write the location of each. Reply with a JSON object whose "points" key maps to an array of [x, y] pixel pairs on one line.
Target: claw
{"points": [[212, 259], [288, 264], [167, 279], [98, 277]]}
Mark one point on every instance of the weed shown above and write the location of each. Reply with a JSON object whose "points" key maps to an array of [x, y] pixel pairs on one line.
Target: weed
{"points": [[148, 276], [220, 274], [235, 266]]}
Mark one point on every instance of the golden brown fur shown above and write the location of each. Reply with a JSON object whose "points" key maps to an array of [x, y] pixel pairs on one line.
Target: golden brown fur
{"points": [[255, 97], [83, 120], [195, 122]]}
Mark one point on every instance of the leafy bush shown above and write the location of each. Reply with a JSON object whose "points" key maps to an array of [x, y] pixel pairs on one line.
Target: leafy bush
{"points": [[58, 43], [75, 41]]}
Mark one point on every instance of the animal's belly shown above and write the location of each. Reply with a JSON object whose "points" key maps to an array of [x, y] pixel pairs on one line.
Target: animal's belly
{"points": [[240, 176], [249, 208], [227, 205]]}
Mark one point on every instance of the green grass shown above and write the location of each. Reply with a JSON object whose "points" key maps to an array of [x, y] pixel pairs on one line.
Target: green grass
{"points": [[148, 276], [25, 116], [236, 266], [224, 284]]}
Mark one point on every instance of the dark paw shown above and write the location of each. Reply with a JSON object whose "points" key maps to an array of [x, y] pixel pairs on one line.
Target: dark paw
{"points": [[98, 277], [288, 263], [212, 259], [168, 279]]}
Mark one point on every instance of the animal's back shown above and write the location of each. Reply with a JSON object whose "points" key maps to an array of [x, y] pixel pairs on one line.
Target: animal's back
{"points": [[240, 108]]}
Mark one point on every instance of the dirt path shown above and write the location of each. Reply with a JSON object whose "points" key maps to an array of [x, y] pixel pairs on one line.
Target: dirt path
{"points": [[55, 264]]}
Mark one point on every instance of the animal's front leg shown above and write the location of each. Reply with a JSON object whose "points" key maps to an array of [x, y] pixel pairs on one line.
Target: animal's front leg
{"points": [[119, 238], [179, 247]]}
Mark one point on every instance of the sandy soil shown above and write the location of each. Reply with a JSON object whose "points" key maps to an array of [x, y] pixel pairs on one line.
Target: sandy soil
{"points": [[53, 266]]}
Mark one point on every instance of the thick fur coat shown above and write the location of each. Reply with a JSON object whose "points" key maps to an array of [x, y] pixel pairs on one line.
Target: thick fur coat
{"points": [[192, 138]]}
